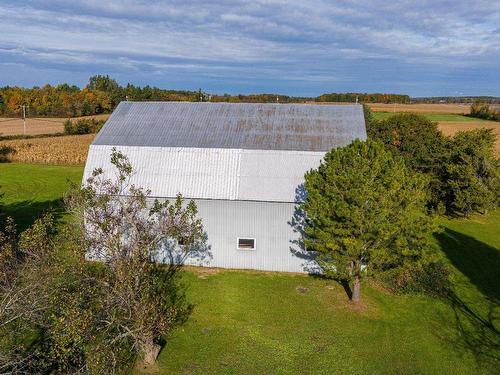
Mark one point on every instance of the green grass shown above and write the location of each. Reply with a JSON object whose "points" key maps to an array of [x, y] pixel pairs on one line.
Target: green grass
{"points": [[31, 189], [259, 323], [430, 116]]}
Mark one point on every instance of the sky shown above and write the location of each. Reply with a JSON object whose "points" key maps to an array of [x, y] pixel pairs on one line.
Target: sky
{"points": [[293, 47]]}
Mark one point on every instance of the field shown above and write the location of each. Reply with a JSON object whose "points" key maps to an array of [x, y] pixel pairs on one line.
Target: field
{"points": [[36, 126], [421, 108], [69, 150], [248, 322]]}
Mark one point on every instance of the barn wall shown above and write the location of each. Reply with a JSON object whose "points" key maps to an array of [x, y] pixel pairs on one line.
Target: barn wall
{"points": [[269, 223]]}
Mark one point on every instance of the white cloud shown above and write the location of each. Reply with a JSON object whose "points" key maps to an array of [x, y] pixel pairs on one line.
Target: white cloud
{"points": [[315, 39]]}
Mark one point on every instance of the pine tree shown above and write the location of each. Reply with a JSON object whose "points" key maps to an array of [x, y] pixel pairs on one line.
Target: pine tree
{"points": [[365, 213]]}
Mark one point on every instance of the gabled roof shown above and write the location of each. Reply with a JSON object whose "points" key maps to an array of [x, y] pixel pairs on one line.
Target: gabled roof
{"points": [[256, 152], [295, 127]]}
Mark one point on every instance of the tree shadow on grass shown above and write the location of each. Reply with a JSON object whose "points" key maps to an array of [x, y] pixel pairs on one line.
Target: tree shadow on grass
{"points": [[478, 261], [476, 320], [25, 213]]}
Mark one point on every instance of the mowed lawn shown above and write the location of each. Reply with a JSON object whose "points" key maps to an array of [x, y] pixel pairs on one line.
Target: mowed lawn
{"points": [[247, 322], [31, 189]]}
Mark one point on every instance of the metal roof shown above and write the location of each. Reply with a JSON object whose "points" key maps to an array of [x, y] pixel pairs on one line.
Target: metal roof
{"points": [[250, 126], [254, 152]]}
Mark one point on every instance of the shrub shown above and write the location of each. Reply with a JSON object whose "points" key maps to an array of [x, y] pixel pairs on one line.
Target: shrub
{"points": [[83, 126], [483, 110], [430, 278]]}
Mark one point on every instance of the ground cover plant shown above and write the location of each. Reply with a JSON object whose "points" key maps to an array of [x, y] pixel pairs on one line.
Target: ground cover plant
{"points": [[257, 322]]}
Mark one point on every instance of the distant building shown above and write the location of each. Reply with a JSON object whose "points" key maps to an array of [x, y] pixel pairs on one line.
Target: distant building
{"points": [[243, 165]]}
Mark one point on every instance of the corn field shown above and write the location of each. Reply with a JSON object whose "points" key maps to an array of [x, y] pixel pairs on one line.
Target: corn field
{"points": [[69, 150]]}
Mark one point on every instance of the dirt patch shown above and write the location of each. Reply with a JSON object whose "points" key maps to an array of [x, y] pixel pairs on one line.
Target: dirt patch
{"points": [[302, 290], [147, 369], [203, 272]]}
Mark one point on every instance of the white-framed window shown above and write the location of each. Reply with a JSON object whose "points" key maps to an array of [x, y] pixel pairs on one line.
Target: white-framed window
{"points": [[246, 243]]}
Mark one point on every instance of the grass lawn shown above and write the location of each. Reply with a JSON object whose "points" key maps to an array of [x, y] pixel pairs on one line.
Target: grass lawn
{"points": [[431, 116], [30, 189], [248, 322]]}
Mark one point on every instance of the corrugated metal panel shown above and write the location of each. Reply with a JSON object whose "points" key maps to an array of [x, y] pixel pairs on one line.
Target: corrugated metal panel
{"points": [[268, 223], [196, 173], [234, 126], [229, 174]]}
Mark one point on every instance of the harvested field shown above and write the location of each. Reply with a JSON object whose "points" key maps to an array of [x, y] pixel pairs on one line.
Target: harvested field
{"points": [[452, 127], [36, 126], [69, 150], [421, 108]]}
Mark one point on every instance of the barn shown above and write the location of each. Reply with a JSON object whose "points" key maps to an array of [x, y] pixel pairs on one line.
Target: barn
{"points": [[243, 165]]}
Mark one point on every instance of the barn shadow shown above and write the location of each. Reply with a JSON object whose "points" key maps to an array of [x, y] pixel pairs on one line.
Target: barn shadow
{"points": [[25, 213], [476, 322]]}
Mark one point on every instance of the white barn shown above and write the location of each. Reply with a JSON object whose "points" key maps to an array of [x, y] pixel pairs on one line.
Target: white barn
{"points": [[243, 165]]}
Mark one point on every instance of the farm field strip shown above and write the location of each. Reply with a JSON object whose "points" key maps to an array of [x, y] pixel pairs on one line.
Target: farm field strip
{"points": [[432, 116], [421, 108], [37, 125], [69, 150]]}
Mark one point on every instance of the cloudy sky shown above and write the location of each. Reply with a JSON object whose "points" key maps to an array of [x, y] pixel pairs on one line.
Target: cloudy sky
{"points": [[295, 47]]}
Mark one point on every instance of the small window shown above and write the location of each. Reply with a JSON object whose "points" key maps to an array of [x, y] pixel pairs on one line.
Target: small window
{"points": [[246, 243]]}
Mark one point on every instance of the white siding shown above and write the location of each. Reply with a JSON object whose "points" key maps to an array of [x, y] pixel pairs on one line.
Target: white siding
{"points": [[228, 174], [268, 223]]}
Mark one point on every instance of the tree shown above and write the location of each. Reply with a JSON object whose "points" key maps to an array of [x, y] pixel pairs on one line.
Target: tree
{"points": [[25, 272], [471, 174], [368, 114], [420, 143], [141, 300], [364, 212], [482, 110]]}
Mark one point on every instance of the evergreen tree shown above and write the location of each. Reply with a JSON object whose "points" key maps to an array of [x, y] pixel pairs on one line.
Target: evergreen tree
{"points": [[365, 213]]}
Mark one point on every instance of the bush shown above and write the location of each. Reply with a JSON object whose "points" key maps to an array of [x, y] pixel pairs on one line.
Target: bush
{"points": [[482, 110], [430, 278], [83, 126]]}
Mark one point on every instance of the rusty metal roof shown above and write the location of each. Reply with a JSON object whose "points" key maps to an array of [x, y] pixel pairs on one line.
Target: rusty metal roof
{"points": [[296, 127]]}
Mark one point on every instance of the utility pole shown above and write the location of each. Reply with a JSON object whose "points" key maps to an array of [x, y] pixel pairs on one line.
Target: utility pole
{"points": [[24, 119]]}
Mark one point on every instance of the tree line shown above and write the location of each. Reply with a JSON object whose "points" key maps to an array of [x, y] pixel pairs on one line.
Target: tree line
{"points": [[102, 94], [364, 98]]}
